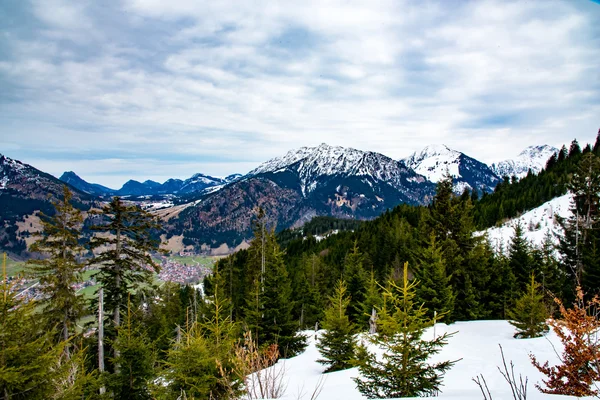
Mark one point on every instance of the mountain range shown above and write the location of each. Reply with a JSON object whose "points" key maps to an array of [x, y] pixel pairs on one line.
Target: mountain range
{"points": [[196, 183], [292, 189]]}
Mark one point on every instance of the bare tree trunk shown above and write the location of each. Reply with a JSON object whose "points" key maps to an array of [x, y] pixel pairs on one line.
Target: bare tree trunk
{"points": [[101, 334], [116, 312]]}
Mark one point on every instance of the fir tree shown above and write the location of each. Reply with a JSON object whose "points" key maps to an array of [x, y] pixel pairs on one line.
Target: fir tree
{"points": [[529, 314], [403, 370], [337, 345], [373, 300], [356, 279], [125, 259], [519, 257], [278, 326], [201, 363], [136, 358], [28, 353], [434, 289], [58, 273]]}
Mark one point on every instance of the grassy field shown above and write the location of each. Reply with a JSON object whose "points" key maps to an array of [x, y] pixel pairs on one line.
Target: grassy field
{"points": [[14, 268], [194, 260]]}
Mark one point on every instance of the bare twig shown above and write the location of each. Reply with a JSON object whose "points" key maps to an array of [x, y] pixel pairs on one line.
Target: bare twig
{"points": [[480, 381], [519, 391], [318, 388]]}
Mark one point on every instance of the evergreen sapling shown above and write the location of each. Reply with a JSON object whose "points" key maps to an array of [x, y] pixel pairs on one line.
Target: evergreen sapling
{"points": [[337, 345]]}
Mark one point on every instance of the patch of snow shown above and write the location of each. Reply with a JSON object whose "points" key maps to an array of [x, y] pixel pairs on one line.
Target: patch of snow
{"points": [[3, 182], [536, 223], [475, 345]]}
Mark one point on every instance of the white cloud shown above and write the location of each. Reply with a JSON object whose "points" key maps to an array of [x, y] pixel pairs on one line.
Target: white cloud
{"points": [[251, 80]]}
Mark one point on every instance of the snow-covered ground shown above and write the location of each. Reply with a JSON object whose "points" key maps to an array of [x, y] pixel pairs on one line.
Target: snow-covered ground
{"points": [[475, 344], [536, 223]]}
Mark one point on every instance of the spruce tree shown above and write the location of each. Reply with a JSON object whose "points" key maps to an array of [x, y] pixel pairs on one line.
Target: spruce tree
{"points": [[356, 279], [29, 355], [57, 274], [125, 243], [519, 256], [403, 370], [136, 358], [269, 303], [372, 301], [434, 290], [278, 326], [201, 363], [337, 345], [529, 314]]}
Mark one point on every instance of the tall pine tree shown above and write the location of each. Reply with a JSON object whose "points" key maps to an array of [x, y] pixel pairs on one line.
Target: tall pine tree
{"points": [[59, 240], [434, 290]]}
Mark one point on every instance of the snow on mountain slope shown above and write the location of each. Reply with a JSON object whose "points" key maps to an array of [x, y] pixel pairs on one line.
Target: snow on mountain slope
{"points": [[467, 173], [475, 344], [433, 161], [536, 223], [533, 157], [313, 163]]}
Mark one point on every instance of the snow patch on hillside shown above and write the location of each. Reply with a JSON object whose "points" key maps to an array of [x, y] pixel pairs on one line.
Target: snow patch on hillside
{"points": [[536, 223], [475, 344]]}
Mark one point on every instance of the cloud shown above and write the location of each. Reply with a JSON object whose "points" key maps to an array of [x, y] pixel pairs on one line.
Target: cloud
{"points": [[223, 86]]}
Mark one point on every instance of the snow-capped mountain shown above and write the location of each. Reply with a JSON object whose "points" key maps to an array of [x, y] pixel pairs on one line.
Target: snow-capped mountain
{"points": [[435, 160], [532, 158], [316, 165], [199, 182], [310, 181]]}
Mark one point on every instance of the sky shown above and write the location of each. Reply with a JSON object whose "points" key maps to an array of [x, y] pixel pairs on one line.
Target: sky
{"points": [[152, 89]]}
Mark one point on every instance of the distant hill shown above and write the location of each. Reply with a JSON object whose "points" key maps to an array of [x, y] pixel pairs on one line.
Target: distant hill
{"points": [[74, 180], [25, 190]]}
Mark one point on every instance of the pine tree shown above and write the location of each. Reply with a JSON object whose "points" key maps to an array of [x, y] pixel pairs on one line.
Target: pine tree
{"points": [[434, 289], [58, 273], [136, 358], [278, 326], [372, 301], [403, 370], [28, 353], [529, 314], [519, 256], [201, 364], [125, 261], [191, 367], [356, 279], [337, 345]]}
